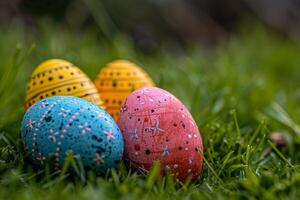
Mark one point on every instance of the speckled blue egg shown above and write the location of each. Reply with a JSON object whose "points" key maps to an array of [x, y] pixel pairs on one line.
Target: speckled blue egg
{"points": [[61, 124]]}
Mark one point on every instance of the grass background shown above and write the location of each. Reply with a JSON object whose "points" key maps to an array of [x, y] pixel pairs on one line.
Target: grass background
{"points": [[239, 93]]}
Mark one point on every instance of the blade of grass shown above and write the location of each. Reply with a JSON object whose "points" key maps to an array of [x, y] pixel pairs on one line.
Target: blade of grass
{"points": [[280, 154]]}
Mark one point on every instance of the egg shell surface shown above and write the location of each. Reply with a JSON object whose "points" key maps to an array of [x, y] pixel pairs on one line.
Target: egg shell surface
{"points": [[56, 125], [117, 80], [56, 77], [157, 126]]}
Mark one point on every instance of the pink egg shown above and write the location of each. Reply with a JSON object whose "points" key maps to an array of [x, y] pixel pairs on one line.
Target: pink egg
{"points": [[157, 127]]}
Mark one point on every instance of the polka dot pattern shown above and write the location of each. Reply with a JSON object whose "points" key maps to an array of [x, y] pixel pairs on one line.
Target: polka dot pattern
{"points": [[117, 80], [56, 77], [57, 125], [157, 126]]}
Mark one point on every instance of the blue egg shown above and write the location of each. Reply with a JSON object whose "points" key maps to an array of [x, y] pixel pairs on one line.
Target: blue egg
{"points": [[61, 124]]}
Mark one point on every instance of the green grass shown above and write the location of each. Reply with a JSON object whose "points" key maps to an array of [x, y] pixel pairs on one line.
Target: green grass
{"points": [[239, 93]]}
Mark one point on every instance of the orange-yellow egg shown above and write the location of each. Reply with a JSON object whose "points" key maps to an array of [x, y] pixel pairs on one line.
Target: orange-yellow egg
{"points": [[56, 77], [117, 80]]}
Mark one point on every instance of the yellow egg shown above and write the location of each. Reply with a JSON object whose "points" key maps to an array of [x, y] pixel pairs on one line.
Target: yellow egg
{"points": [[117, 80], [56, 77]]}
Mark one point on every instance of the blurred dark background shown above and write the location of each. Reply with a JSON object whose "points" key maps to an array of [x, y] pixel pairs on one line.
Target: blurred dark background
{"points": [[149, 22]]}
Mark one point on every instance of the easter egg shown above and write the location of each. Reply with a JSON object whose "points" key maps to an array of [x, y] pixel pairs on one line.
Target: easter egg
{"points": [[156, 126], [57, 77], [117, 80], [57, 125]]}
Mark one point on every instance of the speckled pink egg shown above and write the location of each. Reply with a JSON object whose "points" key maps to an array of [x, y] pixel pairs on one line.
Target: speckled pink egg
{"points": [[156, 126]]}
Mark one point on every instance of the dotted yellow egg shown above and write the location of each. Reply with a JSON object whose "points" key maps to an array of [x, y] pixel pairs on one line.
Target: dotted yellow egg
{"points": [[56, 77], [117, 80]]}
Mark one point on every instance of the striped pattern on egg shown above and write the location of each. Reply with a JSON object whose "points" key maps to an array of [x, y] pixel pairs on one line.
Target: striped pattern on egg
{"points": [[56, 77], [117, 80]]}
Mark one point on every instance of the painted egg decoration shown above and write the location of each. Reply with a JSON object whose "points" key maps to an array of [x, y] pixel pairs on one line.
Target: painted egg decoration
{"points": [[157, 126], [56, 77], [117, 80], [56, 125]]}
